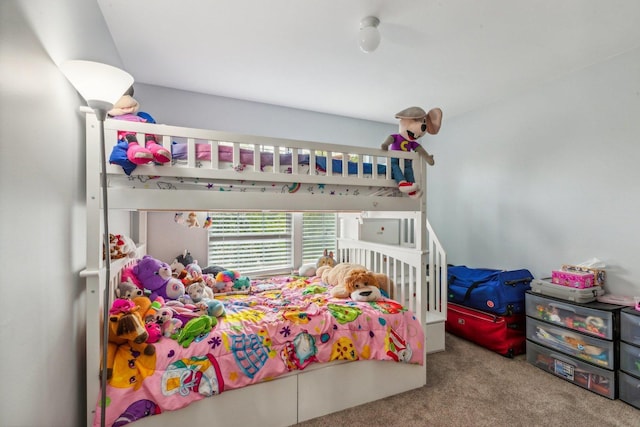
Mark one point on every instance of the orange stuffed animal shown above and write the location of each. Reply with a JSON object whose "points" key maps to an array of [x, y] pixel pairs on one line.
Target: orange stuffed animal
{"points": [[128, 342]]}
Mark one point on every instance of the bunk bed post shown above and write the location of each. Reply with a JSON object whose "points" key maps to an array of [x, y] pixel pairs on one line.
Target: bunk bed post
{"points": [[92, 273], [421, 244]]}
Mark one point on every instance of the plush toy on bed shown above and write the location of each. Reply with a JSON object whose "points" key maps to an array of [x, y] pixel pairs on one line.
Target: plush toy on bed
{"points": [[155, 277], [309, 270], [198, 291], [179, 264], [130, 358], [225, 280], [128, 153], [356, 282], [414, 123], [127, 290], [121, 246]]}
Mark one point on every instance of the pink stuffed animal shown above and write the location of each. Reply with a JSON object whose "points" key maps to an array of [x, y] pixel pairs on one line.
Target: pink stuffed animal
{"points": [[155, 332]]}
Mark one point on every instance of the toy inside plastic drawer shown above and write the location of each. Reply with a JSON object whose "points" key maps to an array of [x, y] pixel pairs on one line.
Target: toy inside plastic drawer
{"points": [[573, 279], [630, 326], [629, 389], [594, 350], [592, 321], [587, 376], [630, 359]]}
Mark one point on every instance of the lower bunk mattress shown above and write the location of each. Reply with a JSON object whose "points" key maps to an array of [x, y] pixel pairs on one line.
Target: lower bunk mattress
{"points": [[280, 325]]}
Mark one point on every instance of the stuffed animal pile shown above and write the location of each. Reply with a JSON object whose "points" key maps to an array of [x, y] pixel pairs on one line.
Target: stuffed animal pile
{"points": [[414, 123], [165, 305]]}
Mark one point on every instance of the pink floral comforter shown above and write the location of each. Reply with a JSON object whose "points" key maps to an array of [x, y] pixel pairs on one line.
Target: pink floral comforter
{"points": [[284, 324]]}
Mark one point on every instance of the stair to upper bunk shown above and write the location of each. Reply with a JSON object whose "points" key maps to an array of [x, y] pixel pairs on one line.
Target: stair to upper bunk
{"points": [[437, 298], [405, 248]]}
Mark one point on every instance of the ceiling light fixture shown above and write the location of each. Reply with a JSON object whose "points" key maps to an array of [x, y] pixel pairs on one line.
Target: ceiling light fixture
{"points": [[369, 36]]}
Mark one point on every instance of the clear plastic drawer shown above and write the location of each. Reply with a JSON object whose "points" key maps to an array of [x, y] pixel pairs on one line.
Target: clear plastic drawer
{"points": [[630, 326], [592, 321], [629, 389], [587, 376], [630, 359], [593, 350]]}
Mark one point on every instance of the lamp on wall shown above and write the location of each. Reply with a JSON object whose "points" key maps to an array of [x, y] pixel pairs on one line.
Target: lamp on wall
{"points": [[369, 35], [101, 86]]}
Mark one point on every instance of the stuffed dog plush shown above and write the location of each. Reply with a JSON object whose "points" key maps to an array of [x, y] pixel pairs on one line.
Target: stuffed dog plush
{"points": [[355, 281]]}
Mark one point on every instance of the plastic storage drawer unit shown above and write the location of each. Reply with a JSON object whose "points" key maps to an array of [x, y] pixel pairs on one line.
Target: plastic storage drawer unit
{"points": [[630, 326], [629, 389], [594, 350], [630, 359], [598, 380], [594, 318]]}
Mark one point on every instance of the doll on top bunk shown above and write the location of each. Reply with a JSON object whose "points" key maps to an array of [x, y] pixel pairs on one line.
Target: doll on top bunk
{"points": [[414, 123], [128, 153]]}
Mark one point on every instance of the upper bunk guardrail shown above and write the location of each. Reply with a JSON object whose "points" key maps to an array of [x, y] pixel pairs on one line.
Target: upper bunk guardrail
{"points": [[338, 164]]}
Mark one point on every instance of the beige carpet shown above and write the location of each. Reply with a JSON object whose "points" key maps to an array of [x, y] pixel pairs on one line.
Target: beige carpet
{"points": [[468, 385]]}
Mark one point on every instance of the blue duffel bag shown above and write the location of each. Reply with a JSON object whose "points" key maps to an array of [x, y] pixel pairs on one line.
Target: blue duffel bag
{"points": [[495, 291]]}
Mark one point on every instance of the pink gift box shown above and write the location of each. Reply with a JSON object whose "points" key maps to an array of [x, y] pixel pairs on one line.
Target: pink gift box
{"points": [[573, 279]]}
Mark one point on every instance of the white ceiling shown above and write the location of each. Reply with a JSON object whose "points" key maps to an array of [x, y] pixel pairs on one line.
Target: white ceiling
{"points": [[459, 55]]}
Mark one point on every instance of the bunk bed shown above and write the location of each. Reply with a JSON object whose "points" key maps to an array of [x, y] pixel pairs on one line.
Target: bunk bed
{"points": [[216, 171]]}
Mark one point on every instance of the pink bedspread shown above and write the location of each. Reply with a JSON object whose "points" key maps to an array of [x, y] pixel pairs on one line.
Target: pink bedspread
{"points": [[284, 324]]}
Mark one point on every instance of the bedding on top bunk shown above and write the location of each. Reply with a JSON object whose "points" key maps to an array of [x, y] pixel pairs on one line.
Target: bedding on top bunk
{"points": [[282, 324], [225, 154], [248, 186]]}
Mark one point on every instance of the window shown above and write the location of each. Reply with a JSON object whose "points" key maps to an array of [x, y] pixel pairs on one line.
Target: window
{"points": [[318, 234], [269, 242]]}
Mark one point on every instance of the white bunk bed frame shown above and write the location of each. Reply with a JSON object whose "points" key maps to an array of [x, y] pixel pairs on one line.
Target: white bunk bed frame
{"points": [[417, 266]]}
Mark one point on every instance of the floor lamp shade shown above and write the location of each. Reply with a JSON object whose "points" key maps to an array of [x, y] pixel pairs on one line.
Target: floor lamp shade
{"points": [[101, 85]]}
